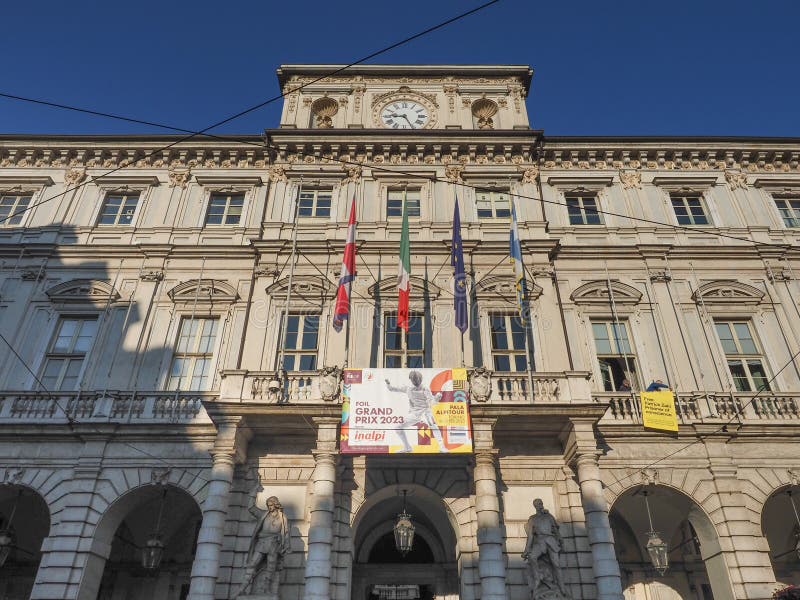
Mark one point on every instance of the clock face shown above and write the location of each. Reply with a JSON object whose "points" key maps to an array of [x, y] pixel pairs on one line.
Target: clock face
{"points": [[404, 114]]}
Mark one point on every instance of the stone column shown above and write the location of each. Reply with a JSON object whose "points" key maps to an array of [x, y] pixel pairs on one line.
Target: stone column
{"points": [[582, 447], [228, 449], [491, 562], [320, 532]]}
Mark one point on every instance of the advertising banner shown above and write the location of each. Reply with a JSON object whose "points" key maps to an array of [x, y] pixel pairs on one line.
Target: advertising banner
{"points": [[658, 411], [393, 411]]}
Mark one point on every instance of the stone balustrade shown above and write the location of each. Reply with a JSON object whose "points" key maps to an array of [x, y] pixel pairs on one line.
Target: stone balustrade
{"points": [[109, 407], [708, 407]]}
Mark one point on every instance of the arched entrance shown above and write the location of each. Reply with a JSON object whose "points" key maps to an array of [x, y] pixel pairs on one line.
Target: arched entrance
{"points": [[121, 537], [428, 572], [697, 569], [779, 526], [24, 514]]}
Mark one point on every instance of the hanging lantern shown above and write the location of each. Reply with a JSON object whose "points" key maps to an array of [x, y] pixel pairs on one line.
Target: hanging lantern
{"points": [[153, 550], [796, 516], [658, 552], [6, 543], [656, 547], [404, 531], [7, 538]]}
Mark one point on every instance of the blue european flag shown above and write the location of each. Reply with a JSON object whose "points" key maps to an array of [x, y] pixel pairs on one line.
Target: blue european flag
{"points": [[459, 276]]}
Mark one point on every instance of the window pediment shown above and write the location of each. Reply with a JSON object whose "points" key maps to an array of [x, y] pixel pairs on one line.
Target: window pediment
{"points": [[387, 288], [203, 291], [597, 293], [505, 286], [306, 288], [83, 291], [726, 291]]}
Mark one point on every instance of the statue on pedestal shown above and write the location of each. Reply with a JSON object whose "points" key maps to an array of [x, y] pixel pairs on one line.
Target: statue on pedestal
{"points": [[542, 549], [268, 546]]}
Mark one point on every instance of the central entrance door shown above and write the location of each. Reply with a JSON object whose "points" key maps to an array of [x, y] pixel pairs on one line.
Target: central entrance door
{"points": [[428, 572]]}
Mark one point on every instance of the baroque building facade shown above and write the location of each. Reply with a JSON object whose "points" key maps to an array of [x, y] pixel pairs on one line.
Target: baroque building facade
{"points": [[169, 306]]}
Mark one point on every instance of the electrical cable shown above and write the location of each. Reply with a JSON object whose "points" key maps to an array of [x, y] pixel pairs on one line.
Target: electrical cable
{"points": [[721, 429], [204, 131]]}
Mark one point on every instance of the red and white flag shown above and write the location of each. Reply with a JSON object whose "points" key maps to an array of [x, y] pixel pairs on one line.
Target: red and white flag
{"points": [[404, 272], [342, 310]]}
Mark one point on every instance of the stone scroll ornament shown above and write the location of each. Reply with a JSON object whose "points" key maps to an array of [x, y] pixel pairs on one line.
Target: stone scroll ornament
{"points": [[542, 556], [269, 544]]}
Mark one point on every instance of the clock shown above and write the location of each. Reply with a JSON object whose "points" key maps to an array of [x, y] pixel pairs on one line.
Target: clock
{"points": [[404, 114]]}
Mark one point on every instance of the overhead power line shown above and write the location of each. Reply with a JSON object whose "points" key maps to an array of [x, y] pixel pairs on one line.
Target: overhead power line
{"points": [[205, 130], [432, 178]]}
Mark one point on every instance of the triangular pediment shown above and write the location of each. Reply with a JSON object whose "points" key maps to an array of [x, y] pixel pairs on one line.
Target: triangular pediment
{"points": [[83, 291], [597, 292], [203, 291], [727, 291]]}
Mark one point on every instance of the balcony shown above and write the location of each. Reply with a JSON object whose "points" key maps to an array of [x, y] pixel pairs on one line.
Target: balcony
{"points": [[712, 407], [109, 407], [309, 387]]}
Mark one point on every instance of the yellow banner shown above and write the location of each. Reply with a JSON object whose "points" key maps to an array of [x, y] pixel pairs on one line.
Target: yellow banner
{"points": [[451, 414], [658, 410]]}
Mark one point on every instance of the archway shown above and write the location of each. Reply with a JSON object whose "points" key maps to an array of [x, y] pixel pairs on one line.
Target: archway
{"points": [[122, 534], [428, 572], [779, 526], [29, 525], [697, 569]]}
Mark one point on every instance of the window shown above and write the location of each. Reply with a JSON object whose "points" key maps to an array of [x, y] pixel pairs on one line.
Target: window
{"points": [[582, 209], [191, 363], [394, 203], [789, 207], [224, 209], [614, 355], [12, 208], [118, 209], [743, 356], [493, 205], [67, 351], [300, 343], [508, 343], [315, 203], [403, 349], [689, 209]]}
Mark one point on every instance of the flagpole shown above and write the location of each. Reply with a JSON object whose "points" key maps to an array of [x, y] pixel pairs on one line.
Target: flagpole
{"points": [[524, 305], [350, 297], [282, 336]]}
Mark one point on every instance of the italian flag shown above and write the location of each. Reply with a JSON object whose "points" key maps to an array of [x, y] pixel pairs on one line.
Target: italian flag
{"points": [[404, 272]]}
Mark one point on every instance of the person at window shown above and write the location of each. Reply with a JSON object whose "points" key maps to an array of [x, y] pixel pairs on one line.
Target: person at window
{"points": [[657, 386], [625, 386], [420, 405]]}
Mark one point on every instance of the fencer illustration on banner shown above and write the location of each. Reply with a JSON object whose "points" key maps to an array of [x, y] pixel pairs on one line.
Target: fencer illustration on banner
{"points": [[393, 411]]}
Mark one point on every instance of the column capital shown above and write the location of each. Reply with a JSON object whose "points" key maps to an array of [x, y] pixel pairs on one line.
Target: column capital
{"points": [[483, 434], [232, 438], [580, 440]]}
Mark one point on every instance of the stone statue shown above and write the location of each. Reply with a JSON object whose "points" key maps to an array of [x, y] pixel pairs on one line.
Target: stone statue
{"points": [[542, 548], [269, 544]]}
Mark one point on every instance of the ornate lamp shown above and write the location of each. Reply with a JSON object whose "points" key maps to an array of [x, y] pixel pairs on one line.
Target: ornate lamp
{"points": [[796, 516], [7, 535], [403, 530], [656, 547], [153, 550]]}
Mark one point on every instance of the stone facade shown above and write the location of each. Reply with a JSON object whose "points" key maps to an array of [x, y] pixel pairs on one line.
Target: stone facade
{"points": [[693, 257]]}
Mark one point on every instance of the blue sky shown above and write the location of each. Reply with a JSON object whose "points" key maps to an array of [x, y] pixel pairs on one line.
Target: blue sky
{"points": [[702, 67]]}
